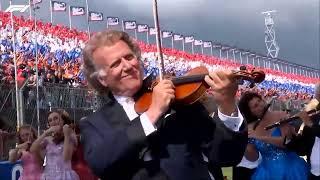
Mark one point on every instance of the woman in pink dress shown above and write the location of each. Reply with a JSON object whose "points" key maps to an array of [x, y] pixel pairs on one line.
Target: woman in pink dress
{"points": [[57, 145], [30, 163]]}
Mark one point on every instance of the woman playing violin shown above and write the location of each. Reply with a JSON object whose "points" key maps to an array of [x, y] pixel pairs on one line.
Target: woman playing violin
{"points": [[31, 164], [119, 143], [275, 157], [57, 144]]}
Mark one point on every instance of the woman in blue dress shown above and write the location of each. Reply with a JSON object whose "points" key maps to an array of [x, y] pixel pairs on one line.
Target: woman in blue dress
{"points": [[277, 162]]}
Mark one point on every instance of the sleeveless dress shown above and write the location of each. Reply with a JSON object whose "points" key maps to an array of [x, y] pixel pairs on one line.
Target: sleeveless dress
{"points": [[278, 163], [31, 168], [56, 168]]}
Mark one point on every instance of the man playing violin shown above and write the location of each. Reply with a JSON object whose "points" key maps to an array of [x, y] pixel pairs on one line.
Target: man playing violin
{"points": [[307, 143], [120, 144]]}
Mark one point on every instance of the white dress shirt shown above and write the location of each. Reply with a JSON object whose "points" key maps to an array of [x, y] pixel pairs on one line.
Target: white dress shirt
{"points": [[250, 164], [315, 157], [128, 106], [127, 103], [232, 122]]}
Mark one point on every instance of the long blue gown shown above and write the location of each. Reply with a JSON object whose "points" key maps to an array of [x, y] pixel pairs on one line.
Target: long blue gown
{"points": [[278, 163]]}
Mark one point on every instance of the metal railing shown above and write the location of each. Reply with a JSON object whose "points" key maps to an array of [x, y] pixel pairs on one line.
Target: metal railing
{"points": [[77, 101]]}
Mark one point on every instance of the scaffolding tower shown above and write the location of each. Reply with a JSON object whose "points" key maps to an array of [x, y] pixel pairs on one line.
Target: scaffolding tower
{"points": [[270, 35]]}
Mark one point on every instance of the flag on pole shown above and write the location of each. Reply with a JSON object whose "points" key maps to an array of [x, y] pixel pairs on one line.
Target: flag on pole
{"points": [[95, 16], [143, 28], [207, 44], [112, 21], [197, 42], [166, 34], [177, 37], [152, 31], [59, 6], [34, 2], [77, 11], [188, 39], [226, 48], [129, 25]]}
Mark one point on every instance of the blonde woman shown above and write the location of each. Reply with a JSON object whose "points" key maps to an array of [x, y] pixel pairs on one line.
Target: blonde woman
{"points": [[30, 163]]}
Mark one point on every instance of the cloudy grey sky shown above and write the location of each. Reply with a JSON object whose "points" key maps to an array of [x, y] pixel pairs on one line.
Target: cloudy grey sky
{"points": [[232, 22]]}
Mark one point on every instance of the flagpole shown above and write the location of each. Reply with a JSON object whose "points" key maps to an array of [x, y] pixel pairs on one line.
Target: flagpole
{"points": [[15, 70], [202, 48], [107, 22], [172, 41], [70, 22], [135, 34], [122, 25], [88, 22], [30, 8], [118, 25], [37, 72], [183, 44], [148, 36], [192, 49], [51, 12]]}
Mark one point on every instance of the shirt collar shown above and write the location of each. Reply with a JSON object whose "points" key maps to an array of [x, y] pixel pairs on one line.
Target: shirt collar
{"points": [[123, 99]]}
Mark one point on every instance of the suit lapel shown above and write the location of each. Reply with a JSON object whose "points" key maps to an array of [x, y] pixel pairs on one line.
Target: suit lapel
{"points": [[115, 115], [111, 114]]}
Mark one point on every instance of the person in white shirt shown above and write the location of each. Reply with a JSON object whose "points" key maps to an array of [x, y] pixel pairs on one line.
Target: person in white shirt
{"points": [[121, 144], [307, 143]]}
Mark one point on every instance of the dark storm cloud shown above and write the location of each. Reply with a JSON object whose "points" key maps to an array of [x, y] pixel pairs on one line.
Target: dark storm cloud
{"points": [[233, 22]]}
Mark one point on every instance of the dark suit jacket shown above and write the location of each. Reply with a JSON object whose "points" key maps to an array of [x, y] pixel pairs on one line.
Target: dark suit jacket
{"points": [[242, 173], [114, 146], [304, 142]]}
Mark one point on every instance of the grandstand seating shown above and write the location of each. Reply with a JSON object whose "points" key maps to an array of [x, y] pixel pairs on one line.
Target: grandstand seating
{"points": [[60, 57]]}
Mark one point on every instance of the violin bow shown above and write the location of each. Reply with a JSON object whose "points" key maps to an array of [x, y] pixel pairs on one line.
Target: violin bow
{"points": [[158, 39]]}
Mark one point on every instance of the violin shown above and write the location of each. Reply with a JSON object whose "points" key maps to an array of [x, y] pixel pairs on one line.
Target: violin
{"points": [[190, 87], [312, 109]]}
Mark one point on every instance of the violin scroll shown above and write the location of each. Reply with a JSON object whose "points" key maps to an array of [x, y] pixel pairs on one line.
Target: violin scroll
{"points": [[255, 76], [258, 76]]}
